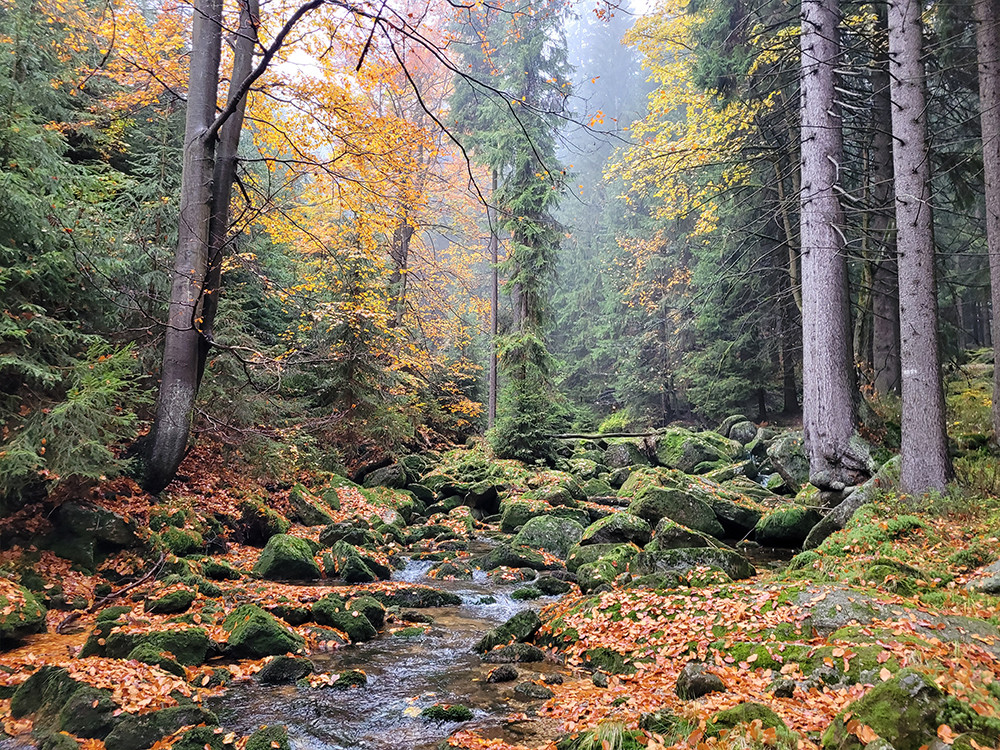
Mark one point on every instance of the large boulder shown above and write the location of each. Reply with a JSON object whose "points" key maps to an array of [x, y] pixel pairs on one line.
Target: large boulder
{"points": [[736, 516], [346, 562], [306, 509], [680, 562], [671, 535], [515, 513], [886, 478], [743, 432], [392, 476], [788, 456], [286, 558], [626, 453], [695, 680], [139, 732], [581, 555], [787, 526], [618, 528], [902, 711], [679, 505], [84, 532], [254, 634], [508, 556], [58, 703], [695, 452], [189, 645], [549, 533], [347, 532], [257, 523], [21, 613]]}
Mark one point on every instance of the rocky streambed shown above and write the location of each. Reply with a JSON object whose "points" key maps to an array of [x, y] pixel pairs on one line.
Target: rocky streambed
{"points": [[632, 591]]}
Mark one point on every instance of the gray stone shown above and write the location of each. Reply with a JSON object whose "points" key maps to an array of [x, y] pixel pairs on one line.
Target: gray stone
{"points": [[695, 680]]}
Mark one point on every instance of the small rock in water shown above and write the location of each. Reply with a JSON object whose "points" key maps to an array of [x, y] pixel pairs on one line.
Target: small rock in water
{"points": [[446, 712], [695, 681], [515, 652], [531, 691], [503, 673]]}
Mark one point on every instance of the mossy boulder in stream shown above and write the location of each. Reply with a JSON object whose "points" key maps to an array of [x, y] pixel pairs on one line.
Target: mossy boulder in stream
{"points": [[137, 732], [254, 633], [581, 555], [21, 614], [786, 527], [370, 607], [58, 703], [509, 556], [519, 628], [285, 558], [446, 712], [902, 711], [618, 528], [149, 654], [515, 513], [284, 670], [345, 562], [671, 535], [677, 504], [346, 532], [189, 645], [550, 533], [171, 603], [417, 597], [680, 562]]}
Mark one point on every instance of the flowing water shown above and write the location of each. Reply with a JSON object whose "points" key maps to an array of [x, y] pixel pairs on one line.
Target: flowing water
{"points": [[405, 675]]}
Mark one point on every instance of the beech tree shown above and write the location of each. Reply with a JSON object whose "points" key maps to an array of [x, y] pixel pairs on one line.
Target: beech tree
{"points": [[924, 444]]}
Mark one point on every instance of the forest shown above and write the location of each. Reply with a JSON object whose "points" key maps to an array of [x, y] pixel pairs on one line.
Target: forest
{"points": [[409, 375]]}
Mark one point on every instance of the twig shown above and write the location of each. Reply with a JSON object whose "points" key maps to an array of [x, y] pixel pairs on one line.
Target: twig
{"points": [[74, 616]]}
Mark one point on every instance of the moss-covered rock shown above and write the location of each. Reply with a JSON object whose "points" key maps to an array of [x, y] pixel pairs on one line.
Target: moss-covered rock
{"points": [[21, 614], [694, 453], [149, 654], [671, 535], [515, 653], [370, 607], [352, 622], [417, 597], [747, 713], [253, 634], [608, 660], [285, 670], [509, 556], [681, 562], [89, 713], [139, 732], [518, 629], [902, 711], [787, 455], [625, 453], [189, 645], [446, 712], [269, 738], [257, 523], [549, 533], [181, 542], [551, 586], [515, 513], [306, 509], [345, 562], [735, 513], [787, 526], [347, 532], [285, 558], [581, 555], [654, 503], [200, 738], [695, 680], [171, 603], [219, 570], [618, 528]]}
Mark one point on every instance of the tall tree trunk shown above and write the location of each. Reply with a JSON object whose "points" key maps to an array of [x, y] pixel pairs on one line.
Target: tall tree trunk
{"points": [[179, 372], [226, 159], [925, 458], [491, 411], [827, 368], [400, 253], [885, 280], [987, 14]]}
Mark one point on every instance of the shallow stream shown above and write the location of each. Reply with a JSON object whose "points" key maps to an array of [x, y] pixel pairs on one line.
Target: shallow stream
{"points": [[405, 675]]}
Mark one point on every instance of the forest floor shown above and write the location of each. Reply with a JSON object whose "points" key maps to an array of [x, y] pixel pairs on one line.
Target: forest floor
{"points": [[190, 620]]}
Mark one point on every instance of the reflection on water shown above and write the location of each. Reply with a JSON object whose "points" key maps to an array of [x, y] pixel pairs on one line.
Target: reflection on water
{"points": [[405, 675]]}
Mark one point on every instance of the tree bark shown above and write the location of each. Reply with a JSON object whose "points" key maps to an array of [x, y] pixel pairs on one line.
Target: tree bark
{"points": [[987, 13], [491, 411], [885, 279], [924, 449], [226, 159], [179, 372], [827, 368]]}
